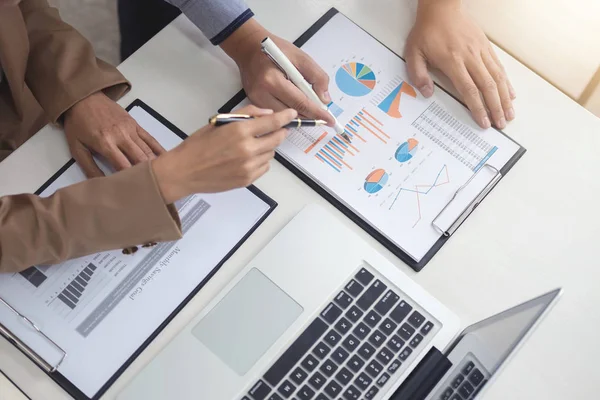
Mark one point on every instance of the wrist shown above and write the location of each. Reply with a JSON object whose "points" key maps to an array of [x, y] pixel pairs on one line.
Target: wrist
{"points": [[75, 107], [436, 5], [167, 178], [244, 41]]}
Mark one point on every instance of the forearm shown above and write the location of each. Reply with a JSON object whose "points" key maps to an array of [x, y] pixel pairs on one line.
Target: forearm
{"points": [[101, 214]]}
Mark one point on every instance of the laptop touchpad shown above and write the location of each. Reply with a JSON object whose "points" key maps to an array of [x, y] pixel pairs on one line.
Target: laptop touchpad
{"points": [[247, 321]]}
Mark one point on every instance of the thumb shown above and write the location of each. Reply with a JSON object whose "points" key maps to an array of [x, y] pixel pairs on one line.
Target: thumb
{"points": [[418, 74], [315, 75]]}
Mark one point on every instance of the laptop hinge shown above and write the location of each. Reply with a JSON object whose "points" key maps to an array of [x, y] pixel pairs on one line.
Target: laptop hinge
{"points": [[424, 377]]}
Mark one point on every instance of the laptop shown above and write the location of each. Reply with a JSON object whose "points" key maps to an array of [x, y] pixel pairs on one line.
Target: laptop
{"points": [[317, 315]]}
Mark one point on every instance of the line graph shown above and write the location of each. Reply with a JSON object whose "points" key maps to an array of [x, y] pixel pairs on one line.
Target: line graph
{"points": [[424, 190]]}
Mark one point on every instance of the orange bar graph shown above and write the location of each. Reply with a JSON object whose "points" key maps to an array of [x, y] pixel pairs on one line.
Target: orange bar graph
{"points": [[312, 146], [358, 121], [376, 127], [372, 117]]}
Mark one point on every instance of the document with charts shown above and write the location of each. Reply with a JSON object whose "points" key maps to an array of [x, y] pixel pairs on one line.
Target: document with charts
{"points": [[408, 155], [100, 309]]}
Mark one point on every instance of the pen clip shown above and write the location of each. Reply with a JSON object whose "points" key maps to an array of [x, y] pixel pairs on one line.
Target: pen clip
{"points": [[266, 51]]}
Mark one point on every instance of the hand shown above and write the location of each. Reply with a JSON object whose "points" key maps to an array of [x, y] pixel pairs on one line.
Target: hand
{"points": [[444, 37], [223, 158], [265, 84], [99, 125]]}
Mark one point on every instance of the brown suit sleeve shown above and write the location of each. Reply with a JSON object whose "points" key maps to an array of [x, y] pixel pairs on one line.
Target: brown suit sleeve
{"points": [[62, 68], [122, 210]]}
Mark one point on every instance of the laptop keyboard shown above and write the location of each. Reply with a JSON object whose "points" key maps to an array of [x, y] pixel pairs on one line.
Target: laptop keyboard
{"points": [[357, 344], [466, 383]]}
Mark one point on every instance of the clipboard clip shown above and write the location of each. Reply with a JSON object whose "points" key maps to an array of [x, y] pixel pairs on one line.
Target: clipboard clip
{"points": [[472, 205], [268, 54], [29, 352]]}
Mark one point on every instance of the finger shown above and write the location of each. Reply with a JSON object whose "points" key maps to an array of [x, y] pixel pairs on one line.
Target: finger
{"points": [[489, 88], [500, 77], [148, 142], [255, 111], [116, 158], [85, 160], [470, 93], [268, 143], [133, 152], [511, 89], [315, 75], [260, 171], [269, 123], [266, 100], [150, 155], [292, 97], [418, 73]]}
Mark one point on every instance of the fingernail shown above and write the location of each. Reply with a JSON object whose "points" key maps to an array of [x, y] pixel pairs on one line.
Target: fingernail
{"points": [[501, 124], [485, 122], [266, 110], [426, 90], [327, 97], [510, 114], [512, 93]]}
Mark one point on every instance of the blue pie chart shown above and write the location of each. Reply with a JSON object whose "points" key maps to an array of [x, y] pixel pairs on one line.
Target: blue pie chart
{"points": [[376, 181]]}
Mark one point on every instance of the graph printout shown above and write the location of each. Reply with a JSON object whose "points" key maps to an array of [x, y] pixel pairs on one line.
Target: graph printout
{"points": [[101, 308], [408, 155]]}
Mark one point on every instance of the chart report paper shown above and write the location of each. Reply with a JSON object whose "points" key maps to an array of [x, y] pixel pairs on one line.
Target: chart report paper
{"points": [[101, 308], [408, 154]]}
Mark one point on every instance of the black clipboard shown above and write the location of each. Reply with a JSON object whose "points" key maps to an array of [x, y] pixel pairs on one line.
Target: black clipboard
{"points": [[365, 225], [60, 379]]}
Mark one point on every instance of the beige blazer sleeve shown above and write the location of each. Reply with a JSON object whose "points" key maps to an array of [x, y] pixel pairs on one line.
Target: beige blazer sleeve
{"points": [[122, 210]]}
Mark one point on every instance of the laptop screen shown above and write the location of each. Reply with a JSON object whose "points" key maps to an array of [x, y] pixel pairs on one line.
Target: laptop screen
{"points": [[502, 333]]}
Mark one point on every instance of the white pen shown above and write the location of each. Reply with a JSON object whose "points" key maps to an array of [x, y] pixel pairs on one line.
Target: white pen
{"points": [[276, 55]]}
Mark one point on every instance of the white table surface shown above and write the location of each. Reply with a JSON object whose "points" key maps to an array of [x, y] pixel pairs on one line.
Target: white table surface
{"points": [[537, 230]]}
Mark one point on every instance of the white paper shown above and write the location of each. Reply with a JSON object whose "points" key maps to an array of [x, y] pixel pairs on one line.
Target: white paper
{"points": [[120, 299], [427, 148]]}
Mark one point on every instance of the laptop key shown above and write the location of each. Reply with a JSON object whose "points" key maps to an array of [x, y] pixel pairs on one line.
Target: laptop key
{"points": [[395, 343], [343, 300], [406, 331], [305, 393], [387, 302], [298, 376], [363, 381], [384, 356], [350, 343], [383, 379], [354, 314], [394, 366], [309, 363], [476, 377], [416, 319], [405, 354], [374, 369], [344, 376], [456, 397], [321, 350], [351, 393], [355, 363], [361, 331], [332, 338], [426, 328], [259, 391], [364, 276], [286, 389], [400, 311], [295, 352], [340, 355], [333, 389], [343, 326], [371, 393], [328, 368], [372, 319], [366, 351], [416, 340], [447, 394], [466, 389], [354, 288], [371, 295], [457, 381], [331, 313], [317, 380], [275, 396], [321, 396], [245, 398], [478, 389], [377, 338], [468, 368], [388, 326]]}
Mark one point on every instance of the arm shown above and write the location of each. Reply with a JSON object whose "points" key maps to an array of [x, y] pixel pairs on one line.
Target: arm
{"points": [[100, 214]]}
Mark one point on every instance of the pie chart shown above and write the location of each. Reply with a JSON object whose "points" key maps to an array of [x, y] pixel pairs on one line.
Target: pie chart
{"points": [[407, 150], [376, 181], [355, 79]]}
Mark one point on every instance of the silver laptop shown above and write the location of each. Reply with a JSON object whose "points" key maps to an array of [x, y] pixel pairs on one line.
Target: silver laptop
{"points": [[318, 314]]}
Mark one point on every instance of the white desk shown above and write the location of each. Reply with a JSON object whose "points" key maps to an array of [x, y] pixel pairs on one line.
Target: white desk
{"points": [[538, 230]]}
